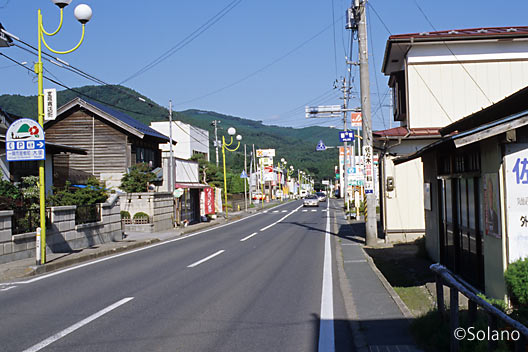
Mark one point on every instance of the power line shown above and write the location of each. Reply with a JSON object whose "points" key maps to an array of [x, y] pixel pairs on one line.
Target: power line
{"points": [[452, 53], [335, 49], [259, 70], [185, 41], [375, 70]]}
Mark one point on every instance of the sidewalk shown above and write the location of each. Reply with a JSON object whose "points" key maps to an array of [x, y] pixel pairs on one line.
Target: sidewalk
{"points": [[380, 318]]}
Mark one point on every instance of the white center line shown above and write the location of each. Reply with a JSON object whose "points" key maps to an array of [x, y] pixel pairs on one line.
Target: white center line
{"points": [[275, 211], [276, 222], [206, 259], [314, 210], [304, 211], [76, 326], [284, 211], [248, 237]]}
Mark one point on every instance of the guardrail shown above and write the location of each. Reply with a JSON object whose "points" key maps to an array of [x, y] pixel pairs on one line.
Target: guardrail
{"points": [[445, 277]]}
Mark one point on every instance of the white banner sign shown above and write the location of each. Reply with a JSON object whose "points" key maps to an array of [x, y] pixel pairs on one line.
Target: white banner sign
{"points": [[369, 169], [265, 153], [516, 185], [50, 104]]}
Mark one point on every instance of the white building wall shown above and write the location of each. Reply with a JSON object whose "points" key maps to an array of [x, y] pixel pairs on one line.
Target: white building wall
{"points": [[404, 205], [448, 83], [188, 138]]}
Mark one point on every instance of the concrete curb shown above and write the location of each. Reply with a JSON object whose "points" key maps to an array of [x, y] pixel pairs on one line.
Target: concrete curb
{"points": [[401, 305], [37, 270]]}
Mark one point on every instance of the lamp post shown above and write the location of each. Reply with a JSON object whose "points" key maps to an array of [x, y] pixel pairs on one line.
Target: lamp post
{"points": [[289, 173], [83, 13], [231, 131]]}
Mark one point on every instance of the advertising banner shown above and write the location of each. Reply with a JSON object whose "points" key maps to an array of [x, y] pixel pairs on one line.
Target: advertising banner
{"points": [[209, 201], [265, 153], [516, 189]]}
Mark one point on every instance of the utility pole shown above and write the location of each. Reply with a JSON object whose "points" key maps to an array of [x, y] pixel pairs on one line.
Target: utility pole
{"points": [[171, 159], [215, 124], [370, 216], [345, 173]]}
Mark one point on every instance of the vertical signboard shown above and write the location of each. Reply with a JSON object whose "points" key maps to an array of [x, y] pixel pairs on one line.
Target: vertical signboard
{"points": [[50, 104], [516, 189], [368, 169], [209, 200]]}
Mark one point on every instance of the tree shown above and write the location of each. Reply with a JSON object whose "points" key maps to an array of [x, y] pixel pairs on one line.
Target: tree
{"points": [[137, 179]]}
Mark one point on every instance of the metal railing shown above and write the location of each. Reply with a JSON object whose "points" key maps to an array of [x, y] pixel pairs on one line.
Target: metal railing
{"points": [[87, 213], [445, 277]]}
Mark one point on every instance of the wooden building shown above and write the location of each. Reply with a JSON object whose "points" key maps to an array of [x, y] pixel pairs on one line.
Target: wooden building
{"points": [[113, 140]]}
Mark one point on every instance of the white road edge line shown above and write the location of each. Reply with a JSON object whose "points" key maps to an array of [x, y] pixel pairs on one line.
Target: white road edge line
{"points": [[276, 222], [205, 259], [248, 237], [76, 326], [326, 324]]}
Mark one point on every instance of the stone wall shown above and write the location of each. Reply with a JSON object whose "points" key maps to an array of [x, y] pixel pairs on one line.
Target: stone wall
{"points": [[158, 205], [62, 235]]}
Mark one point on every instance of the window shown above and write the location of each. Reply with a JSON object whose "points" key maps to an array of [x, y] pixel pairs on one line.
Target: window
{"points": [[399, 96]]}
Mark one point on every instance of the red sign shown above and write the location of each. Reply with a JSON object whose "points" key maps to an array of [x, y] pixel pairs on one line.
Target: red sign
{"points": [[355, 119], [209, 200]]}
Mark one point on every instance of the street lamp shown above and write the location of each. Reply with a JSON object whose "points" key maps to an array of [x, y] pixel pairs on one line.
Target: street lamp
{"points": [[83, 13], [231, 131], [281, 165]]}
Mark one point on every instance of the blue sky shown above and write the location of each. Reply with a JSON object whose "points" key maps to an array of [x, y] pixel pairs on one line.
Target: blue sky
{"points": [[266, 59]]}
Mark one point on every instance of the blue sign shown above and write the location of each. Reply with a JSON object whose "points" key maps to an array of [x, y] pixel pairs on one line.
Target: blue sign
{"points": [[321, 146], [346, 136], [243, 174], [25, 141]]}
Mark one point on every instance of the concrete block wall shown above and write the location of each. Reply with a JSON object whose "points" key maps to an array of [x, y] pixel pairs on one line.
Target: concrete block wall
{"points": [[62, 235], [158, 205]]}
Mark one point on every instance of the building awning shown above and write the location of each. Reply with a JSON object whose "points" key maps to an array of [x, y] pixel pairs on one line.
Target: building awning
{"points": [[190, 185]]}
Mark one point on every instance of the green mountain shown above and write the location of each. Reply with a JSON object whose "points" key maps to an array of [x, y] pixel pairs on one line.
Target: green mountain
{"points": [[296, 145]]}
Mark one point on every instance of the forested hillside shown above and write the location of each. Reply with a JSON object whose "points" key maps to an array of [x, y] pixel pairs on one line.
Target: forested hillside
{"points": [[296, 145]]}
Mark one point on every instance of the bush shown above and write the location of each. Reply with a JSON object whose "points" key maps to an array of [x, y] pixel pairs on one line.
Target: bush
{"points": [[91, 193], [125, 214], [140, 214], [137, 179], [516, 277]]}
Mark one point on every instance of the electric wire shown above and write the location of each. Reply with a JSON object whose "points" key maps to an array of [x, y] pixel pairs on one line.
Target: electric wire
{"points": [[423, 81], [280, 58], [334, 32], [185, 41], [452, 53], [375, 70]]}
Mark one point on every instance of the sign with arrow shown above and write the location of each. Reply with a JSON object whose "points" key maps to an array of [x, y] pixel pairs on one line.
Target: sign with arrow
{"points": [[321, 146], [243, 174], [25, 141]]}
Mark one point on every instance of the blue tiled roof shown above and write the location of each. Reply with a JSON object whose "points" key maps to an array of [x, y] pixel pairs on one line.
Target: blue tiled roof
{"points": [[128, 120]]}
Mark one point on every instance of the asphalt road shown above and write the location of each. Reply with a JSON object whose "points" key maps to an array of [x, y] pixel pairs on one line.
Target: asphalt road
{"points": [[251, 285]]}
